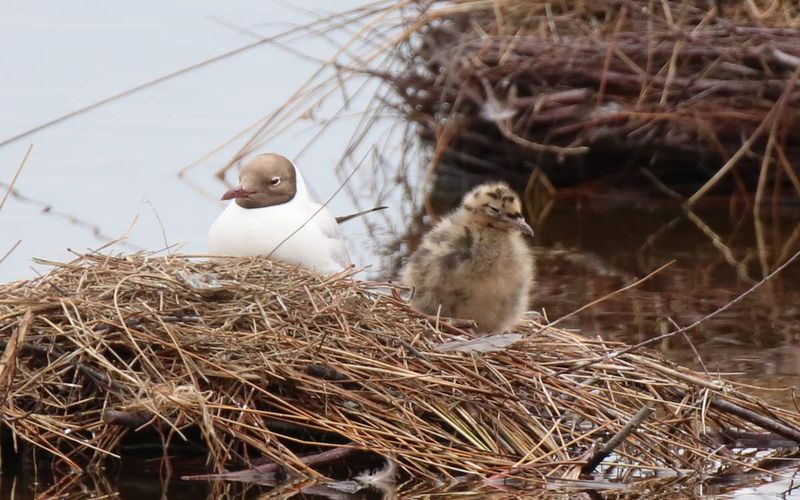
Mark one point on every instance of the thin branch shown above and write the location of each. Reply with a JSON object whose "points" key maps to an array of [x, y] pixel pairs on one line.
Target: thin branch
{"points": [[757, 419], [10, 251], [10, 188], [616, 440], [270, 470]]}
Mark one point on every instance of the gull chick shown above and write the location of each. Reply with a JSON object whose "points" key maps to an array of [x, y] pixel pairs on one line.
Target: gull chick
{"points": [[272, 214], [474, 264]]}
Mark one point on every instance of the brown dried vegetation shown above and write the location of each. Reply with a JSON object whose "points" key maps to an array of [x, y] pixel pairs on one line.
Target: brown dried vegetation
{"points": [[266, 360], [694, 92]]}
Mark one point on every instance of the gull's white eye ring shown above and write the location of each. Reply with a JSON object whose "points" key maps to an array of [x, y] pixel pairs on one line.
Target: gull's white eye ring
{"points": [[275, 181]]}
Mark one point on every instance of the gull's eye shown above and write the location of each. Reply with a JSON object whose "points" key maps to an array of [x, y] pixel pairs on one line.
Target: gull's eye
{"points": [[493, 210], [275, 181]]}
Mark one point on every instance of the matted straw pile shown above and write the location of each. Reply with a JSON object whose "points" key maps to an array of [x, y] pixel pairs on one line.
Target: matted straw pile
{"points": [[249, 351], [690, 90]]}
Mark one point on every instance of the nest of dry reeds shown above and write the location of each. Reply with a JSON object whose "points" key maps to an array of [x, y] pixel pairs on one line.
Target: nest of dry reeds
{"points": [[265, 361], [684, 96]]}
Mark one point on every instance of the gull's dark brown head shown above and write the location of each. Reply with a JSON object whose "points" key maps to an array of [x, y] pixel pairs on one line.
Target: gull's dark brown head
{"points": [[496, 205], [264, 180]]}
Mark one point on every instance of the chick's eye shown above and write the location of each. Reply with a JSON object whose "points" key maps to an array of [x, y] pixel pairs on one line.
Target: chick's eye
{"points": [[275, 181], [492, 209]]}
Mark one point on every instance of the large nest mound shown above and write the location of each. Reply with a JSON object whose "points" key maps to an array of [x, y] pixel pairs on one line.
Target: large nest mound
{"points": [[677, 94], [265, 360]]}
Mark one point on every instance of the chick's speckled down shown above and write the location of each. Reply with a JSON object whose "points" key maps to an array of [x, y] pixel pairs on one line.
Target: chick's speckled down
{"points": [[474, 264]]}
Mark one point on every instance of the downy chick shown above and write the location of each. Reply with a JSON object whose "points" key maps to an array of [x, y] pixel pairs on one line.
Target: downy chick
{"points": [[474, 264]]}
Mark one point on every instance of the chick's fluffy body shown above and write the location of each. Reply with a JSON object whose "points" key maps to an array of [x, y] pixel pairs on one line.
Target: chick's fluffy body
{"points": [[473, 267]]}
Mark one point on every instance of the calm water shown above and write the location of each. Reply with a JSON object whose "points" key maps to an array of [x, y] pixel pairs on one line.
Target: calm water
{"points": [[590, 249], [116, 168]]}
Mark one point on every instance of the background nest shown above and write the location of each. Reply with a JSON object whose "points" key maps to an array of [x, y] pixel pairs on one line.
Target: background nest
{"points": [[269, 361], [668, 94]]}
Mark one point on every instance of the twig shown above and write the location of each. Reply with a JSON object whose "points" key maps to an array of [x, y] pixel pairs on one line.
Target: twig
{"points": [[10, 251], [344, 218], [16, 174], [660, 185], [11, 347], [676, 374], [612, 47], [135, 419], [161, 225], [760, 440], [261, 472], [616, 440], [504, 127], [757, 419], [785, 58]]}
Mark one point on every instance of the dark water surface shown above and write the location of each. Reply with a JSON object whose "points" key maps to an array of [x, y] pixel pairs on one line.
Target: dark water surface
{"points": [[591, 247]]}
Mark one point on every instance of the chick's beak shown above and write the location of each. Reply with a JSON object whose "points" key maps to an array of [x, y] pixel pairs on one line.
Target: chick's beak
{"points": [[523, 226], [238, 192]]}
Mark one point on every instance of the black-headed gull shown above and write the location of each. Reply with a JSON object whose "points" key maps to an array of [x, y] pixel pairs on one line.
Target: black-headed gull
{"points": [[272, 214]]}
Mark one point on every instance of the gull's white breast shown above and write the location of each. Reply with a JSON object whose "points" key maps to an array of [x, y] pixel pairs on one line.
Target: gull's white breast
{"points": [[299, 232]]}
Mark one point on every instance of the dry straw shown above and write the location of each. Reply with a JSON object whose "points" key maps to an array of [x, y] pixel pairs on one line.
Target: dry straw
{"points": [[267, 360], [690, 91]]}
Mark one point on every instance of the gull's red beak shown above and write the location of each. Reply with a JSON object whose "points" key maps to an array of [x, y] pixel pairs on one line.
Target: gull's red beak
{"points": [[239, 192]]}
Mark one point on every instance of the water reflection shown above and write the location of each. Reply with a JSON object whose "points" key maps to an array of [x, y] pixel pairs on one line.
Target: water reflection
{"points": [[589, 252], [142, 479]]}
